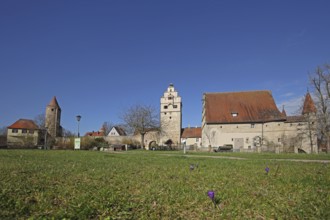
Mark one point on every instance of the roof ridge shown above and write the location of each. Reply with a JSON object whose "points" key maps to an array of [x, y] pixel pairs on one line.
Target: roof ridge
{"points": [[246, 91]]}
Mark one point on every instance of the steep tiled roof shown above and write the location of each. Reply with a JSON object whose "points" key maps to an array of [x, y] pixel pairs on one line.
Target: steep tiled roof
{"points": [[24, 124], [120, 131], [191, 132], [309, 106], [241, 107], [54, 103]]}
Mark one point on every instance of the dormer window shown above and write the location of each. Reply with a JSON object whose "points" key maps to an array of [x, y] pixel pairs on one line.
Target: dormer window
{"points": [[234, 114]]}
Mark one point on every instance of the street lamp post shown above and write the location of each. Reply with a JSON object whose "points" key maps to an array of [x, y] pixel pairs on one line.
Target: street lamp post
{"points": [[78, 119]]}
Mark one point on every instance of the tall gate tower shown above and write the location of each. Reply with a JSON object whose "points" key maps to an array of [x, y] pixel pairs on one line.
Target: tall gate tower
{"points": [[171, 117]]}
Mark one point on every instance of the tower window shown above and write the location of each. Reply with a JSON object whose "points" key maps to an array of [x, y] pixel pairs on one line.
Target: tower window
{"points": [[170, 117], [165, 107], [175, 106]]}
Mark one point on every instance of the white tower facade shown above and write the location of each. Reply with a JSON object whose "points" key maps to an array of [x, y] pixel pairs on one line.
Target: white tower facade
{"points": [[171, 117]]}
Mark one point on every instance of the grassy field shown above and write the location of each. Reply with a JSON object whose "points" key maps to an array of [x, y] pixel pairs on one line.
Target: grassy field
{"points": [[41, 184]]}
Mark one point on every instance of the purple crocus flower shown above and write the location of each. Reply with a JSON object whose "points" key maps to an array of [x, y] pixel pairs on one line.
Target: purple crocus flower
{"points": [[267, 170], [210, 194]]}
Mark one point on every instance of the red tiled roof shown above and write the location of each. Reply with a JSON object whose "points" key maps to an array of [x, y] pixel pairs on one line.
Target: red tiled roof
{"points": [[241, 107], [191, 132], [293, 119], [54, 103], [95, 134], [24, 124], [309, 106]]}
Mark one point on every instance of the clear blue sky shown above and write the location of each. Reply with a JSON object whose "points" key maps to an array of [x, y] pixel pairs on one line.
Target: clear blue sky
{"points": [[100, 57]]}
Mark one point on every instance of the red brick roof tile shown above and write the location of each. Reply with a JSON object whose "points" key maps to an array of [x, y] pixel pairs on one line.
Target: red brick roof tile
{"points": [[241, 107], [24, 124], [191, 132]]}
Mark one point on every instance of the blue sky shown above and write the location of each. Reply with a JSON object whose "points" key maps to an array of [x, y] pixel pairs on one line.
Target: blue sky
{"points": [[101, 57]]}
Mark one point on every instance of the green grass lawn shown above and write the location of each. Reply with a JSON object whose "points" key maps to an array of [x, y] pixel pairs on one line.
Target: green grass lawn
{"points": [[159, 185]]}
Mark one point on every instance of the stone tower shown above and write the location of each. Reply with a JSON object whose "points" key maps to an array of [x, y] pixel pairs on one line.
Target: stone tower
{"points": [[53, 118], [171, 117]]}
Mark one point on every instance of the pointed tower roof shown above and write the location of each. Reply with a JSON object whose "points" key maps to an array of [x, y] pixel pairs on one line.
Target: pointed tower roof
{"points": [[283, 112], [54, 103], [309, 106]]}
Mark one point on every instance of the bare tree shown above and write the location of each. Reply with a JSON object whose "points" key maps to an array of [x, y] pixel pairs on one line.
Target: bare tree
{"points": [[40, 120], [141, 119], [209, 134], [3, 131], [68, 133], [320, 81]]}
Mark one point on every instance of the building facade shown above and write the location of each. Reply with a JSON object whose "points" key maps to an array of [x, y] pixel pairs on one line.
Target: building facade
{"points": [[24, 133], [250, 121], [191, 137], [171, 117], [116, 131]]}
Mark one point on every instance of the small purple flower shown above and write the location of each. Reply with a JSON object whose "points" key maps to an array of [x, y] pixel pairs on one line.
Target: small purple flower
{"points": [[210, 194], [267, 170]]}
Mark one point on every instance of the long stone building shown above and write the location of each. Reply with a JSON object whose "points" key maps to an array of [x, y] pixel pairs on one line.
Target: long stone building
{"points": [[250, 121]]}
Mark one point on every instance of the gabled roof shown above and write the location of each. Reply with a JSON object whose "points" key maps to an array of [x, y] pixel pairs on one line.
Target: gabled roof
{"points": [[191, 132], [54, 103], [24, 124], [120, 131], [241, 107], [309, 106]]}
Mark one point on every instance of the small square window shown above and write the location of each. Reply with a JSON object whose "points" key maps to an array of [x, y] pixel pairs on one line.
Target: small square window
{"points": [[31, 131], [252, 125], [24, 131], [175, 106], [14, 130]]}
